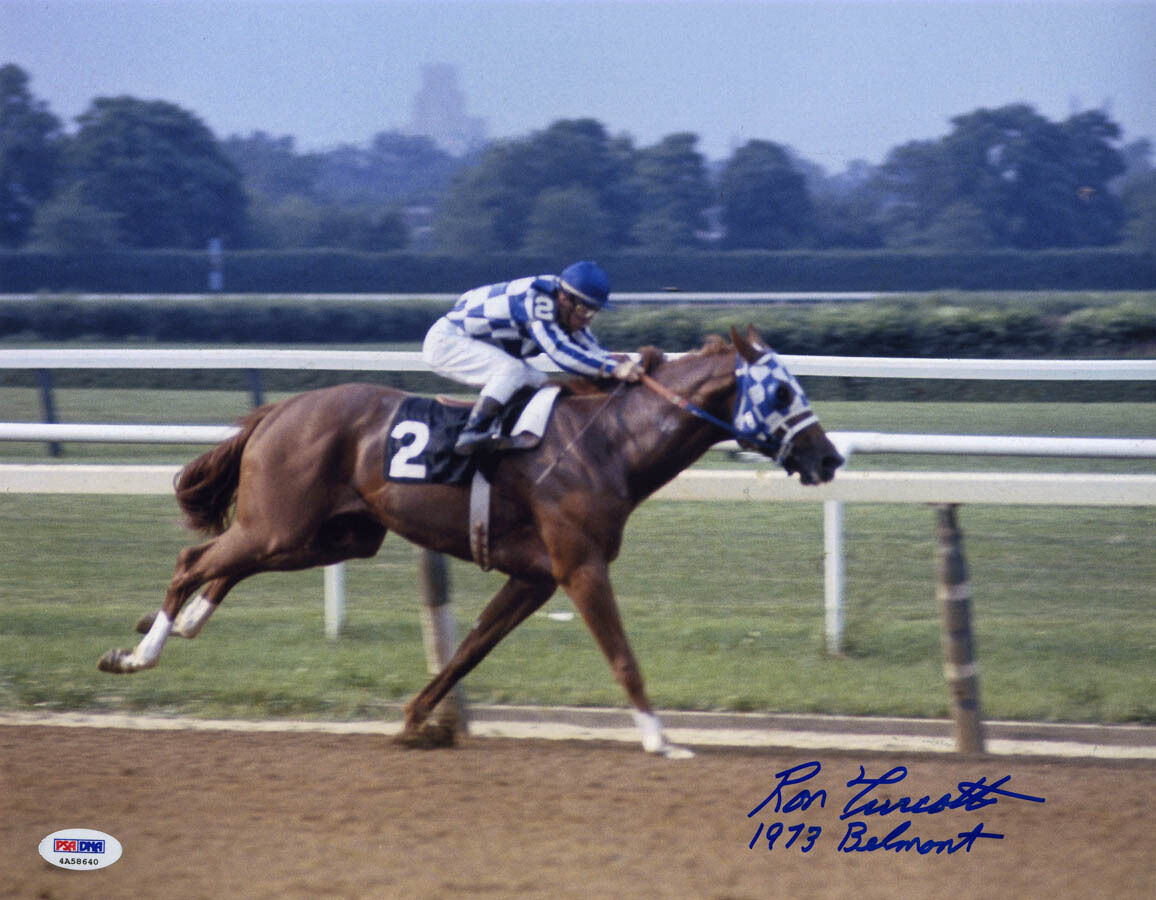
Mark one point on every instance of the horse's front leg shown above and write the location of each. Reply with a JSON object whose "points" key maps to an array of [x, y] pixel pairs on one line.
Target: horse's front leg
{"points": [[515, 602], [589, 587]]}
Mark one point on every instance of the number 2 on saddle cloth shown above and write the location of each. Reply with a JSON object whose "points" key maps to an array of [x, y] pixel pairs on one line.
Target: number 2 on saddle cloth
{"points": [[420, 447]]}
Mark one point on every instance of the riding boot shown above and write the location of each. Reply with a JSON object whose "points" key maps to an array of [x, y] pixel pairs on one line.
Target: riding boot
{"points": [[483, 427]]}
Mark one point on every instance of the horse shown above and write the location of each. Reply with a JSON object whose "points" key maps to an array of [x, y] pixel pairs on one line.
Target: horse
{"points": [[302, 484]]}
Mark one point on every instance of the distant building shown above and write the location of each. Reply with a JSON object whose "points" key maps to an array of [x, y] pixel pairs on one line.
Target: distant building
{"points": [[439, 111]]}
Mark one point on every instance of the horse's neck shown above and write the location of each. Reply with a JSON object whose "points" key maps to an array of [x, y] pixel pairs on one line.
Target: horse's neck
{"points": [[664, 439]]}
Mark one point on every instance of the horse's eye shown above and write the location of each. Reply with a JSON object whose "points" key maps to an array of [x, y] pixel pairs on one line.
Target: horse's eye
{"points": [[783, 396]]}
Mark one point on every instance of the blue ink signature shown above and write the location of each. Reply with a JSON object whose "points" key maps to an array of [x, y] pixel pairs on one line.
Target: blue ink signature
{"points": [[973, 795], [776, 831], [853, 840], [799, 800], [787, 796]]}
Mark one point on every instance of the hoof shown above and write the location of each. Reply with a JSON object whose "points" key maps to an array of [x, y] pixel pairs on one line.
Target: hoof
{"points": [[145, 623], [117, 662], [430, 736], [113, 661], [674, 752]]}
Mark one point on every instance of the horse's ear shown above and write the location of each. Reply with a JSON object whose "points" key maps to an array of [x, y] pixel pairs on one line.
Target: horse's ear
{"points": [[743, 346], [755, 338]]}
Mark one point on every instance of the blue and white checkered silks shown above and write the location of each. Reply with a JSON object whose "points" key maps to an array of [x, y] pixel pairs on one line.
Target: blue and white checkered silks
{"points": [[765, 416], [519, 317]]}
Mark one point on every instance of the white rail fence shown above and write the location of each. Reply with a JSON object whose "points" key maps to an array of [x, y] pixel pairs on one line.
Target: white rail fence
{"points": [[410, 361], [702, 485]]}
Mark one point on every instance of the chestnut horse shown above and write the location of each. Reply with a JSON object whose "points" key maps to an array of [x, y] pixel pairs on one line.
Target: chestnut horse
{"points": [[305, 481]]}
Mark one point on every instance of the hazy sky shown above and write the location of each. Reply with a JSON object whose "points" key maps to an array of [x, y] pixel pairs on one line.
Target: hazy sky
{"points": [[836, 81]]}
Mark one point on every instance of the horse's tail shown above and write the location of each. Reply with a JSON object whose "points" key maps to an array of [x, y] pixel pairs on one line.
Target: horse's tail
{"points": [[206, 487]]}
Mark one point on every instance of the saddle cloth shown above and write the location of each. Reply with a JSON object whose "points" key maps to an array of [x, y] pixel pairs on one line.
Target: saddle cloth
{"points": [[420, 446]]}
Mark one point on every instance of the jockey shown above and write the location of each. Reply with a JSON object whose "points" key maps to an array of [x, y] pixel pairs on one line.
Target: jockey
{"points": [[485, 339]]}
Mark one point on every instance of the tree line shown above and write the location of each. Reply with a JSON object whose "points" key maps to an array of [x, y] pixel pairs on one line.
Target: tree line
{"points": [[148, 174]]}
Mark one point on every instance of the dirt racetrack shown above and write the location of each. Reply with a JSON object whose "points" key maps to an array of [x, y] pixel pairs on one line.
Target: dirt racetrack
{"points": [[214, 815]]}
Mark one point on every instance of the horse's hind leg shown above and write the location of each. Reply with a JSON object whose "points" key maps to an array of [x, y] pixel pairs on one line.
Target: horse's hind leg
{"points": [[217, 565], [157, 627], [338, 539], [510, 606], [172, 618], [196, 611]]}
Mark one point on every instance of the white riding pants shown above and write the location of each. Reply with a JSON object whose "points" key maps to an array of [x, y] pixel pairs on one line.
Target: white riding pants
{"points": [[453, 354]]}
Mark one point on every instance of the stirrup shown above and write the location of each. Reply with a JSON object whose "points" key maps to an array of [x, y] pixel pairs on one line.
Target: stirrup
{"points": [[472, 440], [484, 426], [523, 441]]}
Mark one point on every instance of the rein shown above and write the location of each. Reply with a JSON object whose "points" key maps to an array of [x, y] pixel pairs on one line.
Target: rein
{"points": [[581, 431], [682, 403]]}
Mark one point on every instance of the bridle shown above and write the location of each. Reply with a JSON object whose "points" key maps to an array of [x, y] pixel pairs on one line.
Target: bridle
{"points": [[750, 426]]}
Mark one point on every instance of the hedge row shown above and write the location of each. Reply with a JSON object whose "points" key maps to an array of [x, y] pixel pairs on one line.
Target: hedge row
{"points": [[324, 271], [212, 322], [900, 329], [931, 329]]}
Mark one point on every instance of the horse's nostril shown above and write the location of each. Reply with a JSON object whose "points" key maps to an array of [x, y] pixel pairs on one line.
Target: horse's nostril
{"points": [[832, 462]]}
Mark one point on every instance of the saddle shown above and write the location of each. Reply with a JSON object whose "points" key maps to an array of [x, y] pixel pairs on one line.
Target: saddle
{"points": [[420, 449], [420, 445]]}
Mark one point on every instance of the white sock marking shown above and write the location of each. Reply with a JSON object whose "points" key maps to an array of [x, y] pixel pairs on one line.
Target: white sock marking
{"points": [[193, 616], [148, 651], [651, 728], [654, 741]]}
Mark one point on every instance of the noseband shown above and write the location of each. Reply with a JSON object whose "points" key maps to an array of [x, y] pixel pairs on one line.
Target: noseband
{"points": [[757, 422]]}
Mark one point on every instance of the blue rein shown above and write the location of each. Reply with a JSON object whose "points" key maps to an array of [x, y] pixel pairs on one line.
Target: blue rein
{"points": [[771, 449]]}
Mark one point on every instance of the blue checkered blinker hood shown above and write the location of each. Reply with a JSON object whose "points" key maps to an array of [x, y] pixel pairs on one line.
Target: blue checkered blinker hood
{"points": [[767, 416]]}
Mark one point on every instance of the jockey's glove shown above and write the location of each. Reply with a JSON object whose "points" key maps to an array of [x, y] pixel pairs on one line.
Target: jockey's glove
{"points": [[627, 370]]}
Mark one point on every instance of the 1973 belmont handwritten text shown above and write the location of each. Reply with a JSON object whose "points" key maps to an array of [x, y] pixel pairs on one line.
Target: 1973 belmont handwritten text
{"points": [[865, 803]]}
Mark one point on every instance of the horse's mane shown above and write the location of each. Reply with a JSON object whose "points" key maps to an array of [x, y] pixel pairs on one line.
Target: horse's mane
{"points": [[713, 344], [651, 359]]}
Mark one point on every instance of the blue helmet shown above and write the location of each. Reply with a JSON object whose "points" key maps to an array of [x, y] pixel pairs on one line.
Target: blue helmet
{"points": [[586, 281]]}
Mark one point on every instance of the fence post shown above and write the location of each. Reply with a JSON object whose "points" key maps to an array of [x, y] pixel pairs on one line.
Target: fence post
{"points": [[334, 599], [833, 573], [954, 591], [255, 387], [216, 265], [438, 634], [48, 406]]}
